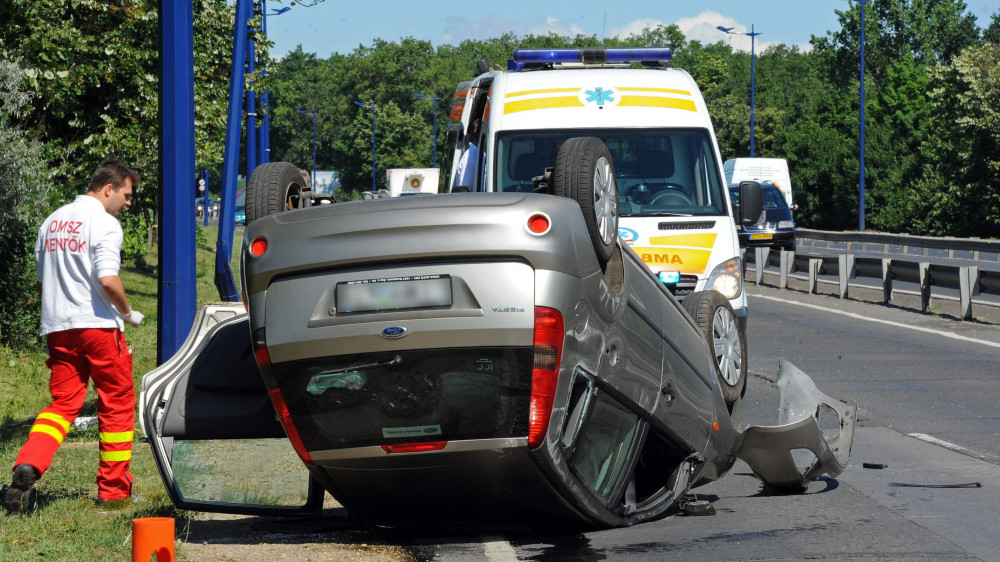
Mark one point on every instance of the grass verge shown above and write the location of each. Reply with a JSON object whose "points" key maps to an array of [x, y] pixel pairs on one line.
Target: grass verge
{"points": [[67, 525]]}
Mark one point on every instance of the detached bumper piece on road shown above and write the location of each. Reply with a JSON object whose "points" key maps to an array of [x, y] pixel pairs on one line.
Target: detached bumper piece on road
{"points": [[797, 450]]}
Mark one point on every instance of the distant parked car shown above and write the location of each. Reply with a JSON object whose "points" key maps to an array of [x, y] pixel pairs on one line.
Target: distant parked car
{"points": [[776, 229]]}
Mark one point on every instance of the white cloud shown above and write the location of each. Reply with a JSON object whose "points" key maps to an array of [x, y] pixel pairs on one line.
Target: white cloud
{"points": [[458, 28], [634, 27], [704, 28]]}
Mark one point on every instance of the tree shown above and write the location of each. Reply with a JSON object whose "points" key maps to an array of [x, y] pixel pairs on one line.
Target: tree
{"points": [[93, 67], [401, 143], [957, 194], [22, 208]]}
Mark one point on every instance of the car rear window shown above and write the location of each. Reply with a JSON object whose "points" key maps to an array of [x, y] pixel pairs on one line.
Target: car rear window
{"points": [[408, 396]]}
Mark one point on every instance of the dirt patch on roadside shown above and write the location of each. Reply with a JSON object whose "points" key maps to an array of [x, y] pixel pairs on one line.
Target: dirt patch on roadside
{"points": [[330, 536]]}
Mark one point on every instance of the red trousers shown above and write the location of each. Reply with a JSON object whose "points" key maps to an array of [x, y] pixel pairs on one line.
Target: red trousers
{"points": [[75, 357]]}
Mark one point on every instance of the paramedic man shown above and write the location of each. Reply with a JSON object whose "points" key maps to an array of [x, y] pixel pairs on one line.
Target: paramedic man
{"points": [[84, 305]]}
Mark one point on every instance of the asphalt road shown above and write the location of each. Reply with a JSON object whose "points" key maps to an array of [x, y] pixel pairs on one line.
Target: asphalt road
{"points": [[927, 389]]}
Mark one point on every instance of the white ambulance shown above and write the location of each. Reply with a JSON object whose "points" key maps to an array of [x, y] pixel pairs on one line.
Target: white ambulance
{"points": [[672, 198]]}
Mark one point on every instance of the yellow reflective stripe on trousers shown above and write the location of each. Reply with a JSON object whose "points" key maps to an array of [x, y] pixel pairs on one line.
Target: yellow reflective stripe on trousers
{"points": [[63, 422], [116, 436], [115, 456], [48, 430]]}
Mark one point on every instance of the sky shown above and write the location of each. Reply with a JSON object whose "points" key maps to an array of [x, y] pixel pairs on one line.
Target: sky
{"points": [[338, 26]]}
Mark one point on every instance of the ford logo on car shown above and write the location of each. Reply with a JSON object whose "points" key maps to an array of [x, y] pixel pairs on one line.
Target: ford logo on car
{"points": [[394, 332]]}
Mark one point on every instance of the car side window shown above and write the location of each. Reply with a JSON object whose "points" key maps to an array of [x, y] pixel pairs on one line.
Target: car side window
{"points": [[603, 445]]}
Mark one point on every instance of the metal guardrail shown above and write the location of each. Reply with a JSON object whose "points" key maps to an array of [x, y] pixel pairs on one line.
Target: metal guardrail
{"points": [[971, 266]]}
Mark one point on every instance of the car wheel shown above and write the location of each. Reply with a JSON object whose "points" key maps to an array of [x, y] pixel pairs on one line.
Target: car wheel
{"points": [[584, 171], [272, 188], [714, 315]]}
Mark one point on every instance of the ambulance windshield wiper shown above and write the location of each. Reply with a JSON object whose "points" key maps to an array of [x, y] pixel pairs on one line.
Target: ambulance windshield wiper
{"points": [[658, 214]]}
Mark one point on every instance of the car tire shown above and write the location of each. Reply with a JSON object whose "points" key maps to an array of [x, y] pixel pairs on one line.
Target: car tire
{"points": [[272, 188], [585, 172], [712, 313]]}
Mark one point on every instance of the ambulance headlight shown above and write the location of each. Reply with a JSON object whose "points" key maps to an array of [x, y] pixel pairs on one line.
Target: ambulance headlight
{"points": [[727, 278]]}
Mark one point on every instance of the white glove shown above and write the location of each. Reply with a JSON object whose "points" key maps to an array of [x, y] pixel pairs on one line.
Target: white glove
{"points": [[134, 317]]}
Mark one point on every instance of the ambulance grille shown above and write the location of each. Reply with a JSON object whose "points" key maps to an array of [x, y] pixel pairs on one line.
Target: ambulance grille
{"points": [[684, 287], [698, 225]]}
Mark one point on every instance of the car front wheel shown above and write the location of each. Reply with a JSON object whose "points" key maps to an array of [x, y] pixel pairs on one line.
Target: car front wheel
{"points": [[714, 315]]}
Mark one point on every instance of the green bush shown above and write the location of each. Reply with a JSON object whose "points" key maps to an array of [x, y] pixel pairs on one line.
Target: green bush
{"points": [[22, 208]]}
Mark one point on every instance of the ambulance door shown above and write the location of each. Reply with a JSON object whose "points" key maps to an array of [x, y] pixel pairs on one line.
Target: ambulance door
{"points": [[213, 430]]}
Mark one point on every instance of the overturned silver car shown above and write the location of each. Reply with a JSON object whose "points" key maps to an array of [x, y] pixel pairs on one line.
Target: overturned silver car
{"points": [[461, 356]]}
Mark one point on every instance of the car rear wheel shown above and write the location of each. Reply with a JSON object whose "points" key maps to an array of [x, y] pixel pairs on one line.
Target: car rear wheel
{"points": [[714, 315], [584, 171], [274, 187]]}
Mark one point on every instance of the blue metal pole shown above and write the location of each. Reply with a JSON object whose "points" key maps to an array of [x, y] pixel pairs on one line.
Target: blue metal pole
{"points": [[177, 279], [374, 190], [231, 159], [434, 101], [313, 185], [264, 133], [753, 73], [251, 103], [861, 118]]}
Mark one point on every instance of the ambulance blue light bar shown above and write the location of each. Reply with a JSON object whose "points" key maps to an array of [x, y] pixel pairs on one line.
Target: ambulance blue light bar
{"points": [[588, 55]]}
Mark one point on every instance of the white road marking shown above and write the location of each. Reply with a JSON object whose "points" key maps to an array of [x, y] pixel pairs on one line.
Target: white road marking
{"points": [[880, 321], [499, 551], [938, 442]]}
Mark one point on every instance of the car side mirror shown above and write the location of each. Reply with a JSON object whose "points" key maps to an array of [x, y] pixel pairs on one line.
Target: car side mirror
{"points": [[751, 203]]}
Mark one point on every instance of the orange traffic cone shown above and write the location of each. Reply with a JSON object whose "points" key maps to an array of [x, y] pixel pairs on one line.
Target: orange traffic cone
{"points": [[153, 535]]}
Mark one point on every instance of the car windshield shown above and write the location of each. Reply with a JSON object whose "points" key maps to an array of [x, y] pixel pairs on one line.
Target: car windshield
{"points": [[660, 172], [772, 196], [411, 396]]}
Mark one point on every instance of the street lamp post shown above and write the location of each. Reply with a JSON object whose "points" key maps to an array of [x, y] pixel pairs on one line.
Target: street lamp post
{"points": [[314, 116], [434, 101], [861, 132], [753, 63], [371, 107]]}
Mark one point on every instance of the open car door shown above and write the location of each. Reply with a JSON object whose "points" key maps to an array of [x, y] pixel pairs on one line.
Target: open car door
{"points": [[213, 430]]}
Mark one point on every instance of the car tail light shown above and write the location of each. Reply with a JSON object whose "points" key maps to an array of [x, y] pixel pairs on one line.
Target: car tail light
{"points": [[286, 422], [415, 447], [258, 247], [539, 224], [549, 334], [260, 348]]}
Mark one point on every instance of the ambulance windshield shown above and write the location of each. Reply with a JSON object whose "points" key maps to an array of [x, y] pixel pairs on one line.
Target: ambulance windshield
{"points": [[660, 172]]}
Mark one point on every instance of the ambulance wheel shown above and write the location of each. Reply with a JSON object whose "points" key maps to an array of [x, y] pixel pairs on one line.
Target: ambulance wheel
{"points": [[584, 171], [274, 187], [714, 315]]}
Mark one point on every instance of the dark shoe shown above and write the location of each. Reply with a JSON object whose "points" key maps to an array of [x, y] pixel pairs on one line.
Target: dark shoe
{"points": [[21, 495]]}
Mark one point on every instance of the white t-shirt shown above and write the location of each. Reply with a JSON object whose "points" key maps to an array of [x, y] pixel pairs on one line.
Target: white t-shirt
{"points": [[77, 245]]}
